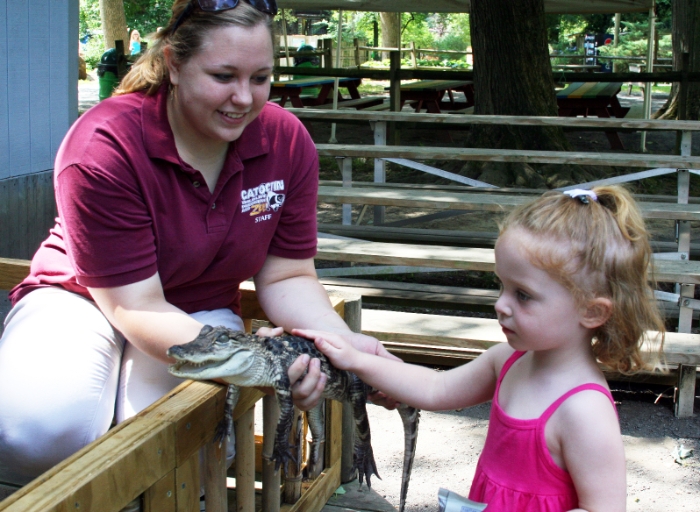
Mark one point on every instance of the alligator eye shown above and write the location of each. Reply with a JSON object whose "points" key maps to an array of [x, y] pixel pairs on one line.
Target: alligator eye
{"points": [[222, 339]]}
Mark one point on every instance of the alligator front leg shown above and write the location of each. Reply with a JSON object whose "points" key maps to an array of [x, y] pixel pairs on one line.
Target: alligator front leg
{"points": [[363, 457], [317, 424], [282, 453], [225, 427]]}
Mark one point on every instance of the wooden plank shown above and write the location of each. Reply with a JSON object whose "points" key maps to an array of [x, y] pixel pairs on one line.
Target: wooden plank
{"points": [[12, 272], [415, 292], [318, 493], [687, 376], [462, 258], [467, 336], [194, 409], [160, 497], [566, 122], [144, 450], [187, 484], [509, 155], [413, 235], [445, 200]]}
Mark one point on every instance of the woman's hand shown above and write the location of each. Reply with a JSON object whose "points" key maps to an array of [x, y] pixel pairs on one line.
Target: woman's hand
{"points": [[306, 392]]}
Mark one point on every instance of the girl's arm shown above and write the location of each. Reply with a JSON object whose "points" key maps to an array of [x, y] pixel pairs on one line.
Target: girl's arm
{"points": [[420, 387], [588, 431]]}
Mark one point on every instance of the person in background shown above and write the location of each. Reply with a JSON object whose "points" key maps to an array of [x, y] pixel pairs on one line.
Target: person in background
{"points": [[135, 42], [575, 292], [170, 193]]}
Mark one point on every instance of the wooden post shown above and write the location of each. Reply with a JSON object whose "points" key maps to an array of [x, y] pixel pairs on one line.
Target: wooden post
{"points": [[214, 471], [271, 478], [394, 93], [353, 317], [414, 60], [380, 135], [356, 44], [327, 53], [121, 59], [685, 394], [245, 461], [345, 165]]}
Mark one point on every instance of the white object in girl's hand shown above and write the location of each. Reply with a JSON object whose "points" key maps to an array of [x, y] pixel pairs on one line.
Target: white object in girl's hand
{"points": [[449, 501]]}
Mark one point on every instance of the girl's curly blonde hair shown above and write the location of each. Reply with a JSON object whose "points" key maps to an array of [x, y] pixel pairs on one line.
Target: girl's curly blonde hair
{"points": [[599, 248]]}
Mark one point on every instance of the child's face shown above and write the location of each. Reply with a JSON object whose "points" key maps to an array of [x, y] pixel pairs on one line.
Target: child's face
{"points": [[535, 311]]}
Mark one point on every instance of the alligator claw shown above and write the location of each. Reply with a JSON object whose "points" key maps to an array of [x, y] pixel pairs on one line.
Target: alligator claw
{"points": [[364, 463], [222, 432], [282, 455]]}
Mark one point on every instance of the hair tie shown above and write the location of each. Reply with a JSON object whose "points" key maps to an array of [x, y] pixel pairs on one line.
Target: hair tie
{"points": [[581, 194]]}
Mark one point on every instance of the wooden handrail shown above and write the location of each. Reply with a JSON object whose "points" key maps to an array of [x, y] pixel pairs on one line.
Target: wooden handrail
{"points": [[156, 453]]}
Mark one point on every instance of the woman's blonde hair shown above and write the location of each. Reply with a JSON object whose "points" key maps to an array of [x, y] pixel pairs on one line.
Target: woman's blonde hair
{"points": [[151, 70], [599, 248]]}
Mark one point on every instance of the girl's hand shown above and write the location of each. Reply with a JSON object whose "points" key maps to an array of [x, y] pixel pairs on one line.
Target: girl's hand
{"points": [[344, 355], [340, 353]]}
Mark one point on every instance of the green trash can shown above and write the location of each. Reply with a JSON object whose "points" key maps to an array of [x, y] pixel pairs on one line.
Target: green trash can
{"points": [[107, 73]]}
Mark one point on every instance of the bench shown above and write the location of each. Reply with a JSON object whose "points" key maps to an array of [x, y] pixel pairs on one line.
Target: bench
{"points": [[594, 98], [683, 272], [360, 103], [452, 340], [156, 454]]}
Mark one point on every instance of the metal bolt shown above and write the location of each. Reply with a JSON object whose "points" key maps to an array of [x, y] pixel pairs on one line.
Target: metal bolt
{"points": [[188, 426], [169, 493], [683, 256], [184, 485], [686, 303], [77, 504], [160, 451]]}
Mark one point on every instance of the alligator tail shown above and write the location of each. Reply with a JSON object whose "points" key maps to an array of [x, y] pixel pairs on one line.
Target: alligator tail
{"points": [[409, 417]]}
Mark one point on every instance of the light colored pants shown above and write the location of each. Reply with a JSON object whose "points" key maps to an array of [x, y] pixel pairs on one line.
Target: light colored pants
{"points": [[65, 374]]}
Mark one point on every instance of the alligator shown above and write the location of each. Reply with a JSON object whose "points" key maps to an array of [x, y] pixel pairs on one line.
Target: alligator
{"points": [[242, 359]]}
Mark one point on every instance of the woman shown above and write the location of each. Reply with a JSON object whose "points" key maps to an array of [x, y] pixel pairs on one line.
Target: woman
{"points": [[135, 42], [169, 194]]}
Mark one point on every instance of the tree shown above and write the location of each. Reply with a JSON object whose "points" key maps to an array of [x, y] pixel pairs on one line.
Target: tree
{"points": [[513, 76], [686, 39], [113, 23], [390, 30]]}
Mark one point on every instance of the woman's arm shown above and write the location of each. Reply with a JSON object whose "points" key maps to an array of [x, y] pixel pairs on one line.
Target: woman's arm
{"points": [[141, 313], [420, 387]]}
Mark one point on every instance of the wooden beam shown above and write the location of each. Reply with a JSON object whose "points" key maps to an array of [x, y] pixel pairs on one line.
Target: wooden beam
{"points": [[462, 258], [509, 155], [470, 202]]}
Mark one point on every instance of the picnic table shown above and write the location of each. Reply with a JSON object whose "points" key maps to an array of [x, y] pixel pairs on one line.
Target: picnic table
{"points": [[593, 98], [291, 90], [576, 67], [430, 94]]}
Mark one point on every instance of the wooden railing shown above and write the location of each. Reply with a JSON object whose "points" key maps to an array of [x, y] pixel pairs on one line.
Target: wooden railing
{"points": [[156, 454]]}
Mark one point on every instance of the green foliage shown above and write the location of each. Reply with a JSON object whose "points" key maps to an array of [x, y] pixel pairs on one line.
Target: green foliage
{"points": [[144, 15]]}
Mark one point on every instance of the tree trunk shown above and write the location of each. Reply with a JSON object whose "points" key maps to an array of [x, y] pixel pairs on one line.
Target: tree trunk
{"points": [[391, 31], [114, 23], [686, 38], [513, 76]]}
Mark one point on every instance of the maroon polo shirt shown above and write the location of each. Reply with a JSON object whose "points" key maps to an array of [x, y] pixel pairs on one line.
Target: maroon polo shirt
{"points": [[130, 207]]}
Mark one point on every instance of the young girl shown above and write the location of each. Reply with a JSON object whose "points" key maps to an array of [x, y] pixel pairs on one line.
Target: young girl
{"points": [[575, 292]]}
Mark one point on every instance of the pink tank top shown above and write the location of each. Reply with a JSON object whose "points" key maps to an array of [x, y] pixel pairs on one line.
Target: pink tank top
{"points": [[516, 471]]}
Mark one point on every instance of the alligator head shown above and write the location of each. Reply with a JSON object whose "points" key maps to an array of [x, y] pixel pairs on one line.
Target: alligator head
{"points": [[212, 354]]}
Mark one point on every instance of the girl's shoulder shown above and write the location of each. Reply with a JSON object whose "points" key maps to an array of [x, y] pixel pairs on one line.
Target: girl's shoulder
{"points": [[500, 354]]}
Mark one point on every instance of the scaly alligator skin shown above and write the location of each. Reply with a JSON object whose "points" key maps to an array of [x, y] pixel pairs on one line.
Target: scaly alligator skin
{"points": [[247, 360]]}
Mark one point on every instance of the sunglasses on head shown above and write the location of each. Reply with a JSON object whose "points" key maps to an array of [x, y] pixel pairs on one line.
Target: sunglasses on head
{"points": [[266, 6]]}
